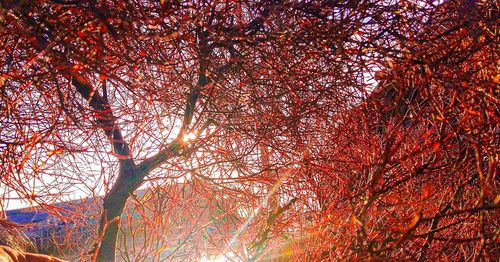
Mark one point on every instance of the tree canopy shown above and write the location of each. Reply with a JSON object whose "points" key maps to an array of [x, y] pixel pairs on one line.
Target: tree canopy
{"points": [[314, 129]]}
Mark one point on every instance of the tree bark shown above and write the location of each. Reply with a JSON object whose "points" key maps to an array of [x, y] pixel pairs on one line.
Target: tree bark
{"points": [[129, 179], [108, 227]]}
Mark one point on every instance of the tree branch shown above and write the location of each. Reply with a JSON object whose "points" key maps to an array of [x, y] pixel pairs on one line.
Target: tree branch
{"points": [[104, 115], [175, 147]]}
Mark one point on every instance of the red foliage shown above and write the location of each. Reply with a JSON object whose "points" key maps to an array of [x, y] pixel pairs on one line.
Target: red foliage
{"points": [[289, 138]]}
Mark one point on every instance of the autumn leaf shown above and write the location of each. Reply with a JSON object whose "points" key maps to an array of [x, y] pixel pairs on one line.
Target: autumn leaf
{"points": [[435, 146], [496, 79], [356, 221], [414, 221], [426, 191]]}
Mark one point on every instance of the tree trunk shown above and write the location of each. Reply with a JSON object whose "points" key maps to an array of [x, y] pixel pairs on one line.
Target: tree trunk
{"points": [[129, 179], [108, 227]]}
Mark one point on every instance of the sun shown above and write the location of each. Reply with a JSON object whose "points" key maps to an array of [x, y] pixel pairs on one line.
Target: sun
{"points": [[189, 136]]}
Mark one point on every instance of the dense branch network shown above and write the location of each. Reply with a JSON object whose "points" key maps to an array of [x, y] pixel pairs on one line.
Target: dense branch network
{"points": [[261, 129]]}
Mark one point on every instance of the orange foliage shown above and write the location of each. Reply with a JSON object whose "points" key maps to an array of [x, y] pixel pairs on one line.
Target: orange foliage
{"points": [[303, 130]]}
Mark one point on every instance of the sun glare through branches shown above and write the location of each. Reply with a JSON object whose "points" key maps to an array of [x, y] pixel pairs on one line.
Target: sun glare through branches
{"points": [[251, 130], [189, 136]]}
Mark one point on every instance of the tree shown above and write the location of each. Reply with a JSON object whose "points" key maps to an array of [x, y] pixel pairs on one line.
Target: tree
{"points": [[263, 98], [419, 181]]}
